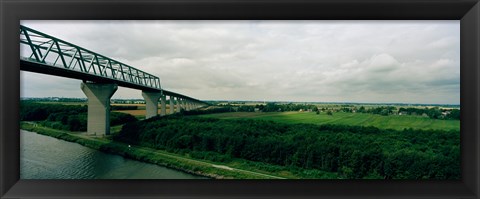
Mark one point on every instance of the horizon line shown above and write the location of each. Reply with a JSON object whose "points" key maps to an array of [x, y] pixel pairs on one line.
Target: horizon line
{"points": [[270, 101]]}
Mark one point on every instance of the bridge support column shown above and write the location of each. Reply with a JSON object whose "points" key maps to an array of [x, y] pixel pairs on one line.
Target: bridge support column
{"points": [[178, 105], [151, 101], [184, 104], [163, 112], [172, 105], [98, 95]]}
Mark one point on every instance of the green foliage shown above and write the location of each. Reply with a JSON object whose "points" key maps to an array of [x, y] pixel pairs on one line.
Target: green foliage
{"points": [[269, 107], [351, 151], [117, 118], [434, 113], [31, 111], [388, 110], [65, 117], [273, 107], [208, 111], [115, 108]]}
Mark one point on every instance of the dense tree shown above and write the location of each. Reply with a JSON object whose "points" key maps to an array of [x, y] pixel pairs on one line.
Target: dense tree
{"points": [[434, 113], [30, 111], [352, 151], [65, 117], [123, 108], [329, 112]]}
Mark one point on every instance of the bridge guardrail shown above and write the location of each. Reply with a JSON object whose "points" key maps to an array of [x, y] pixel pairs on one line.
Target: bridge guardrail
{"points": [[46, 49]]}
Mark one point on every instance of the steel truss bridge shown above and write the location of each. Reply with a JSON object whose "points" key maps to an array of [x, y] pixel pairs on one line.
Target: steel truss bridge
{"points": [[53, 56]]}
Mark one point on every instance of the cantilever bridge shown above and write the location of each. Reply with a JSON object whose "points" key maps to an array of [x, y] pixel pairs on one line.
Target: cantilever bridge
{"points": [[101, 75]]}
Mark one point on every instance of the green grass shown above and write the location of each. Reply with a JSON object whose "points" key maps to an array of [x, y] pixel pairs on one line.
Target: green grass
{"points": [[66, 103], [398, 122]]}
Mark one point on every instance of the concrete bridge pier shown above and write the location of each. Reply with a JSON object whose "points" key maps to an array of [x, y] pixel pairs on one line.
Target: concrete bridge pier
{"points": [[163, 99], [184, 104], [151, 103], [178, 105], [98, 95], [172, 105]]}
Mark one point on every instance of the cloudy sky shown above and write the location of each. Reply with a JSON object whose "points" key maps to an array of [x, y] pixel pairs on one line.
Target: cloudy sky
{"points": [[323, 61]]}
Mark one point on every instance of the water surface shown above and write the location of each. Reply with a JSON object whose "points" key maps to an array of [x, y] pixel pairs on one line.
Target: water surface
{"points": [[43, 157]]}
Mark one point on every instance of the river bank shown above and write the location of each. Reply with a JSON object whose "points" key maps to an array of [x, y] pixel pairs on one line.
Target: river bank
{"points": [[44, 157], [161, 158]]}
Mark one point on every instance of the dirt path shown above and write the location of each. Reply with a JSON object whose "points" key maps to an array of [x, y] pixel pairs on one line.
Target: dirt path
{"points": [[245, 171]]}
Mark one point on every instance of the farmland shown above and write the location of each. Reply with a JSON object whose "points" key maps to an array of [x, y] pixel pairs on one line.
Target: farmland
{"points": [[398, 122], [138, 111], [287, 140]]}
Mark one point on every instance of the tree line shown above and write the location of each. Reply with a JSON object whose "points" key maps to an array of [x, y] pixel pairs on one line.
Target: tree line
{"points": [[353, 152], [268, 107], [118, 108], [273, 107], [65, 117], [433, 113]]}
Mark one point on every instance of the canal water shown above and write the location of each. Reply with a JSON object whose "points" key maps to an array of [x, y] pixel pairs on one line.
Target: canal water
{"points": [[43, 157]]}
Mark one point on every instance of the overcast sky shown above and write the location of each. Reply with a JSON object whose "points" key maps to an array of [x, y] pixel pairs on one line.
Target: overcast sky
{"points": [[322, 61]]}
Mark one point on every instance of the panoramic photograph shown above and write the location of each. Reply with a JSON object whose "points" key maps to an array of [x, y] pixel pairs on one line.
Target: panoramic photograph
{"points": [[259, 99]]}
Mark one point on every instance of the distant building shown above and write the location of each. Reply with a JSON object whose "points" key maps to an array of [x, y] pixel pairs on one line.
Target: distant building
{"points": [[402, 113]]}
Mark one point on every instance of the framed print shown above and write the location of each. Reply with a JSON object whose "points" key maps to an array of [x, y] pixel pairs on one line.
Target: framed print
{"points": [[240, 99]]}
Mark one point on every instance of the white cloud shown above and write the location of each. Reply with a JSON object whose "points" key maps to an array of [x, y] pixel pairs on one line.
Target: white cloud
{"points": [[365, 61]]}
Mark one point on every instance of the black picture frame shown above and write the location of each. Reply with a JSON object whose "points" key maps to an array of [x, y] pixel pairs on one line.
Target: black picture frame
{"points": [[12, 11]]}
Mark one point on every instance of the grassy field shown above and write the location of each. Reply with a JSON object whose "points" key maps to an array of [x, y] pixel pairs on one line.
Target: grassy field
{"points": [[140, 113], [398, 122]]}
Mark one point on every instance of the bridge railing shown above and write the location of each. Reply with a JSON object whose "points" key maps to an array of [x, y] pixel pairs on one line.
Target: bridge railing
{"points": [[41, 48]]}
